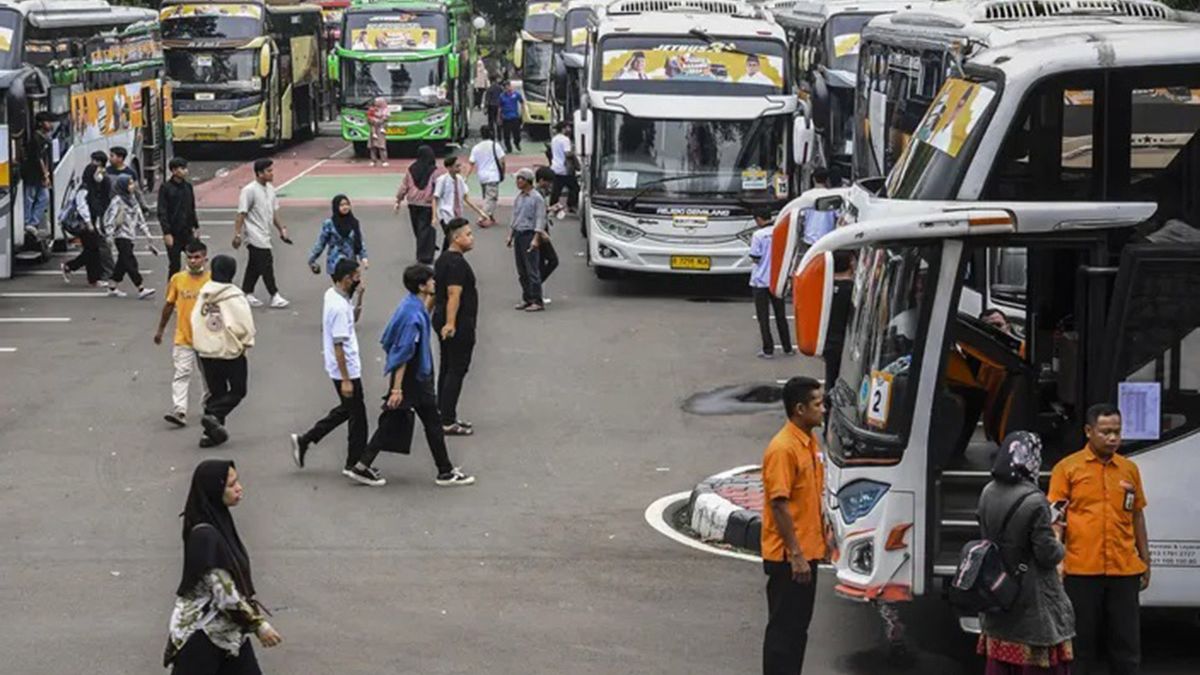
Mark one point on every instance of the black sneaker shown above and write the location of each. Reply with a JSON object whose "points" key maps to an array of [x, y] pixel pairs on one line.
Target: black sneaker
{"points": [[299, 449], [206, 442], [214, 430], [368, 476], [455, 478]]}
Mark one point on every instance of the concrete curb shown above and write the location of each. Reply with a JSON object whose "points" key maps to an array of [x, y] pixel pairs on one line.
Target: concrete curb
{"points": [[727, 508]]}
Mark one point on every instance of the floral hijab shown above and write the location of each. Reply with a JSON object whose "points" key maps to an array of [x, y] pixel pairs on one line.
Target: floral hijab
{"points": [[1019, 459]]}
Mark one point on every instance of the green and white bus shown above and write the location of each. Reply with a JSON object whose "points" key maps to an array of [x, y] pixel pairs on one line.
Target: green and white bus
{"points": [[416, 54]]}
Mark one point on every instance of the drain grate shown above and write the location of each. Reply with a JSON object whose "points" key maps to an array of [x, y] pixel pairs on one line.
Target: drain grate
{"points": [[739, 399]]}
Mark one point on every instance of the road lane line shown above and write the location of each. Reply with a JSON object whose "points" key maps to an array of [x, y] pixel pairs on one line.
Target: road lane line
{"points": [[7, 350], [310, 169], [54, 294], [34, 319], [56, 273]]}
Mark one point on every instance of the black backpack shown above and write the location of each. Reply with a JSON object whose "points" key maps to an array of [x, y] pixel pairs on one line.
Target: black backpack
{"points": [[982, 582]]}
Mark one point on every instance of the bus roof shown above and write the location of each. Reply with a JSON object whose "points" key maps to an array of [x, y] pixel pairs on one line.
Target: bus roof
{"points": [[683, 17], [432, 5], [811, 11], [67, 13]]}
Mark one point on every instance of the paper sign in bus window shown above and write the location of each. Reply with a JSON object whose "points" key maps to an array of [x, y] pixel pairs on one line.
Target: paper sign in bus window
{"points": [[6, 39], [579, 36], [879, 399], [535, 8], [1141, 410], [621, 180], [754, 179], [245, 11], [846, 45], [953, 115], [394, 36], [693, 63]]}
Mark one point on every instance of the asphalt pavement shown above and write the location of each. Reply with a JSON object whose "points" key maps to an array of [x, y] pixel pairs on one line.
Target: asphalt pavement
{"points": [[545, 566]]}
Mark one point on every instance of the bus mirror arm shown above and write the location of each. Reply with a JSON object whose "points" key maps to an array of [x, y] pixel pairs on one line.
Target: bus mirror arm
{"points": [[804, 137], [583, 133]]}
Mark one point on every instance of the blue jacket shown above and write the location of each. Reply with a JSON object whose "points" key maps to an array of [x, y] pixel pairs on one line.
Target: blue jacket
{"points": [[409, 332], [339, 246]]}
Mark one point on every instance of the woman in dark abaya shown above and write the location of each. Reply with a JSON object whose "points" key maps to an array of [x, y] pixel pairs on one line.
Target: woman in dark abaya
{"points": [[215, 611]]}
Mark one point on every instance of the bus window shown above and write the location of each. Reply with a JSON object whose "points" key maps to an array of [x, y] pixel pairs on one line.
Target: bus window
{"points": [[1162, 153]]}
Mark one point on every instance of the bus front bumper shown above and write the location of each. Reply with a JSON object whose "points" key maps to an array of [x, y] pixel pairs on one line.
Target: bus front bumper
{"points": [[537, 113], [199, 127], [434, 125], [645, 254], [873, 554]]}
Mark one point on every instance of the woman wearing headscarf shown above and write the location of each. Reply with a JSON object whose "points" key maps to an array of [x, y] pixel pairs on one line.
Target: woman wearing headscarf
{"points": [[215, 611], [124, 221], [1034, 636], [377, 118], [417, 190], [342, 236]]}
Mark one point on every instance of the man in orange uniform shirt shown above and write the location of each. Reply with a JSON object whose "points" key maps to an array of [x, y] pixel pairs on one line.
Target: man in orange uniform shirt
{"points": [[793, 540]]}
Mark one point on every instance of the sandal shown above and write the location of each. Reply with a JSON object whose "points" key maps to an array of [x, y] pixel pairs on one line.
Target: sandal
{"points": [[457, 429], [464, 424]]}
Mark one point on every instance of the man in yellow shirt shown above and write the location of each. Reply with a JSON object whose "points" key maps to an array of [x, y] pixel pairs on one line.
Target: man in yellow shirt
{"points": [[1108, 553], [182, 291], [793, 536]]}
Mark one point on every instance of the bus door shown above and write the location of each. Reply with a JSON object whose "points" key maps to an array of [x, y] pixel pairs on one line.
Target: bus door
{"points": [[153, 138]]}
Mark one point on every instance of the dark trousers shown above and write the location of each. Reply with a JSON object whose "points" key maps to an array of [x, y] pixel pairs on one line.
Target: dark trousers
{"points": [[571, 183], [226, 380], [175, 252], [549, 261], [421, 398], [89, 257], [426, 237], [478, 97], [764, 304], [126, 263], [452, 370], [493, 117], [200, 656], [789, 611], [261, 263], [1106, 619], [511, 130], [352, 411], [529, 267]]}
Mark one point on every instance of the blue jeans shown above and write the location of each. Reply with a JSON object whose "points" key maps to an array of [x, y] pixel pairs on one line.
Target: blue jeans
{"points": [[37, 200]]}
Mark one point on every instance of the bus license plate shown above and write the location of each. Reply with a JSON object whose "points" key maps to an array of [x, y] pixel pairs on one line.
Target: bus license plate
{"points": [[399, 131], [691, 262]]}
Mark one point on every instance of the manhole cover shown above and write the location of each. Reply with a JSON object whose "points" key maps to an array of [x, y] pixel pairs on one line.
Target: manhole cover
{"points": [[739, 399]]}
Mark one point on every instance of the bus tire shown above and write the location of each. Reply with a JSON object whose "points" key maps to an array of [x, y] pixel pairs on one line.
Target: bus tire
{"points": [[606, 273], [360, 148]]}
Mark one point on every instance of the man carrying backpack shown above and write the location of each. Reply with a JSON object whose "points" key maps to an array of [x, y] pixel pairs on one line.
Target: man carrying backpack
{"points": [[222, 331]]}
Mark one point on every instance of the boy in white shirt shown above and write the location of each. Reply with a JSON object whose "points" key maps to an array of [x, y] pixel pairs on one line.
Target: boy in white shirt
{"points": [[487, 159]]}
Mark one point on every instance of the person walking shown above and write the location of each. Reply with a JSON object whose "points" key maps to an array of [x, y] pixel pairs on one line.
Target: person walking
{"points": [[91, 202], [1098, 495], [491, 103], [341, 234], [760, 285], [512, 107], [564, 164], [1034, 636], [409, 372], [416, 189], [377, 119], [343, 364], [215, 609], [124, 221], [450, 195], [455, 316], [182, 291], [257, 211], [177, 213], [117, 167], [481, 81], [546, 253], [35, 173], [487, 160], [524, 238], [222, 331], [793, 539]]}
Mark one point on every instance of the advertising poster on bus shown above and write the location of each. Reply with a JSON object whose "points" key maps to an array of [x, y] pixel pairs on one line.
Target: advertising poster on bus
{"points": [[107, 111], [700, 63], [228, 10], [395, 32], [955, 112]]}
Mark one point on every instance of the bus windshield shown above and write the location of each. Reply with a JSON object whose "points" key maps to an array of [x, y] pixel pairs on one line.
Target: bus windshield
{"points": [[229, 21], [696, 66], [576, 30], [690, 159], [10, 21], [231, 67], [541, 19], [414, 84], [535, 66], [845, 36], [942, 145], [395, 31], [893, 286]]}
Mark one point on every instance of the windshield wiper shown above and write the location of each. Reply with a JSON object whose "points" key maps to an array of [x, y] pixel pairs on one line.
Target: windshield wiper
{"points": [[660, 181], [708, 39]]}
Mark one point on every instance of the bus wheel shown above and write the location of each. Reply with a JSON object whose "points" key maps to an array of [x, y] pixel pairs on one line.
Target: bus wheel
{"points": [[360, 148], [606, 273]]}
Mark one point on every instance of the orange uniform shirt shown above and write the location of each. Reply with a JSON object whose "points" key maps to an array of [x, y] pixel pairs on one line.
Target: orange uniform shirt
{"points": [[792, 469], [1102, 500], [183, 289]]}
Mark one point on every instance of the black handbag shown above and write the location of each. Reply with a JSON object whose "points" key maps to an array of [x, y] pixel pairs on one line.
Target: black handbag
{"points": [[394, 433]]}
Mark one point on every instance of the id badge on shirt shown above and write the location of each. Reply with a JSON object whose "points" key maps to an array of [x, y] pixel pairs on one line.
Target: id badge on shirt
{"points": [[1130, 495]]}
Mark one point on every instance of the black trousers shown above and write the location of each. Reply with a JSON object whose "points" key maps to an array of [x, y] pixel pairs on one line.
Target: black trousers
{"points": [[175, 252], [353, 412], [89, 257], [549, 261], [452, 370], [260, 263], [200, 656], [1106, 618], [478, 97], [421, 398], [421, 218], [493, 117], [789, 611], [126, 263], [529, 267], [764, 304], [226, 380], [571, 183], [511, 130]]}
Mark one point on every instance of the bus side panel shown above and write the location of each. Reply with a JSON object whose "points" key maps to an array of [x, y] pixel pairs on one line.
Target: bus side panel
{"points": [[286, 124], [7, 210], [1172, 518]]}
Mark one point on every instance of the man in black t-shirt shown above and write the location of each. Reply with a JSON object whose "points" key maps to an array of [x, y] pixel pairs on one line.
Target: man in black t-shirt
{"points": [[455, 310], [35, 173]]}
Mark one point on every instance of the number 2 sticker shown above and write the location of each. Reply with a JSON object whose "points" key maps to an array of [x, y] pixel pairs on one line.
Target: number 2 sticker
{"points": [[879, 399]]}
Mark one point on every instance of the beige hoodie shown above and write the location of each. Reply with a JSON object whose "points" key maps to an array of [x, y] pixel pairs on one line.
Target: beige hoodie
{"points": [[222, 324]]}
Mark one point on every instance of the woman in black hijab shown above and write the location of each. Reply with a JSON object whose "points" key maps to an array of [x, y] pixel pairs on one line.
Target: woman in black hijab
{"points": [[342, 235], [417, 190], [215, 611]]}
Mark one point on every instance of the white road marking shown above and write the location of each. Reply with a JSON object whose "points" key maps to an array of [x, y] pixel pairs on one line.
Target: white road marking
{"points": [[305, 172], [790, 318], [34, 319], [7, 350], [55, 273], [54, 294]]}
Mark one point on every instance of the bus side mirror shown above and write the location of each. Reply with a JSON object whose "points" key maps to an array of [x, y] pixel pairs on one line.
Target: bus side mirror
{"points": [[518, 54], [333, 65], [452, 66], [785, 233], [804, 137], [583, 134], [264, 62], [830, 203], [812, 295]]}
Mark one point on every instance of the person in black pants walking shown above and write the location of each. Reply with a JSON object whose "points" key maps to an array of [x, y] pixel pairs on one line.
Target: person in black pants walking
{"points": [[343, 365], [409, 372], [455, 308], [760, 281], [258, 210], [525, 239], [177, 213], [96, 257], [491, 101], [222, 331], [549, 256]]}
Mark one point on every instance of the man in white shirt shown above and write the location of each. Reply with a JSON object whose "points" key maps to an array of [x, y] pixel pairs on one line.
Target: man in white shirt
{"points": [[343, 365], [487, 159], [562, 163], [754, 73], [449, 197], [257, 212]]}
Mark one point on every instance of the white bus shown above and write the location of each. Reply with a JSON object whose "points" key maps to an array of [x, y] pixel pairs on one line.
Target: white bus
{"points": [[685, 129], [1052, 178]]}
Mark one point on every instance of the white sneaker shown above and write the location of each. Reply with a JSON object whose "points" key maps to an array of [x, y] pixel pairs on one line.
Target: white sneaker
{"points": [[145, 293], [66, 273], [279, 302], [546, 301], [254, 302], [383, 164], [455, 478], [114, 292]]}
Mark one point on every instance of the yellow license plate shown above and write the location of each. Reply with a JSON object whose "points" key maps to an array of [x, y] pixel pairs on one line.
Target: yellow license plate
{"points": [[691, 262], [206, 137], [399, 131]]}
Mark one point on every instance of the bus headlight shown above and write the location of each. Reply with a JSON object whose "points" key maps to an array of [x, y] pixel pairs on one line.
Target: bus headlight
{"points": [[858, 498], [251, 111], [436, 118], [618, 229]]}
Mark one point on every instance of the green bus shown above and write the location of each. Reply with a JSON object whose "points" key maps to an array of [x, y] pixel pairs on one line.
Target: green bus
{"points": [[416, 54]]}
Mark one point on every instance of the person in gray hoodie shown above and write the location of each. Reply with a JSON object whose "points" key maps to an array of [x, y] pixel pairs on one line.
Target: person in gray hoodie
{"points": [[222, 331], [1034, 636]]}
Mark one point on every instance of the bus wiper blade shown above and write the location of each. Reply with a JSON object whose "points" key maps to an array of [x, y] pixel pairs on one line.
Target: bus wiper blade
{"points": [[660, 181]]}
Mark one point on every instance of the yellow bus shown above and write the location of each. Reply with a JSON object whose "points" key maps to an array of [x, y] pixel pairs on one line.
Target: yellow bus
{"points": [[244, 71]]}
